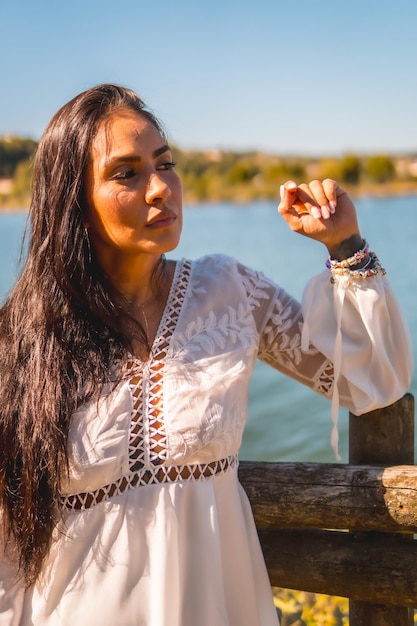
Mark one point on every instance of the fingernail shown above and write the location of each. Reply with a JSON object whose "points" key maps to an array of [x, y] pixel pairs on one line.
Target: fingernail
{"points": [[282, 192], [325, 212], [315, 212], [291, 185], [332, 206]]}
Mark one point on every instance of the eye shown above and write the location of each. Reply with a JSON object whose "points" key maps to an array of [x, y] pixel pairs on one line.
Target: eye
{"points": [[125, 174], [169, 165]]}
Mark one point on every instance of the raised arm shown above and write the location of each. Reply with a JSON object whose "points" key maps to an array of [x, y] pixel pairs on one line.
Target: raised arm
{"points": [[350, 313]]}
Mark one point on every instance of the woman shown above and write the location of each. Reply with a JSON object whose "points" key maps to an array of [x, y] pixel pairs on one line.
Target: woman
{"points": [[124, 381]]}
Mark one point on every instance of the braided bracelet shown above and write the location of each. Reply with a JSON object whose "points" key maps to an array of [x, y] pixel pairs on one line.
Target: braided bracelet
{"points": [[371, 268], [356, 258]]}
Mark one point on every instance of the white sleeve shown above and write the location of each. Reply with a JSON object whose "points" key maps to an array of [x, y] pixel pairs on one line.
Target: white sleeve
{"points": [[358, 325]]}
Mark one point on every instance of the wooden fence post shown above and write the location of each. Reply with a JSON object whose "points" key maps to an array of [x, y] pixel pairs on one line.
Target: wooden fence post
{"points": [[382, 437]]}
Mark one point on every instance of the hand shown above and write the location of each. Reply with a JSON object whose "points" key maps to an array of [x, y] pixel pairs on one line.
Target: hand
{"points": [[322, 211]]}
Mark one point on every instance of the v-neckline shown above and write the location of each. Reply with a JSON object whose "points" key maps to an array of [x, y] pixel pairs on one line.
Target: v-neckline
{"points": [[171, 310]]}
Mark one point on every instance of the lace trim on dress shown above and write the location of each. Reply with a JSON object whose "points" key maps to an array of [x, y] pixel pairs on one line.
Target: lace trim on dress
{"points": [[324, 380], [158, 475], [148, 439]]}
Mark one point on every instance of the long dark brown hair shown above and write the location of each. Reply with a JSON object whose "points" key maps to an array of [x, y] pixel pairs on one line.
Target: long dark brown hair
{"points": [[60, 328]]}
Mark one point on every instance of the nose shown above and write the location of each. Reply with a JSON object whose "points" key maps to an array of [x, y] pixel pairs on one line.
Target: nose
{"points": [[157, 189]]}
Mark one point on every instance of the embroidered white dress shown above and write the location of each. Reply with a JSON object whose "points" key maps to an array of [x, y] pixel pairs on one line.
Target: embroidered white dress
{"points": [[156, 529]]}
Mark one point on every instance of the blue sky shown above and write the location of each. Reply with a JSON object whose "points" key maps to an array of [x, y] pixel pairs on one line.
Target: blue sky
{"points": [[285, 76]]}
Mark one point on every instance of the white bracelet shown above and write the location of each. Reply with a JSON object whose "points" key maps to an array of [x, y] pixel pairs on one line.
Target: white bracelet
{"points": [[356, 258], [372, 268]]}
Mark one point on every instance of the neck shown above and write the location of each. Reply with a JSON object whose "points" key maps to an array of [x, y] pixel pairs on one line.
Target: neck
{"points": [[132, 277]]}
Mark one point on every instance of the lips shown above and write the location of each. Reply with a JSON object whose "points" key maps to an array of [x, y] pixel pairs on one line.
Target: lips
{"points": [[162, 219]]}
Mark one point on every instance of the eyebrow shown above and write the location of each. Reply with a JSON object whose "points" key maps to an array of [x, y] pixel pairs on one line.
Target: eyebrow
{"points": [[131, 158], [161, 150]]}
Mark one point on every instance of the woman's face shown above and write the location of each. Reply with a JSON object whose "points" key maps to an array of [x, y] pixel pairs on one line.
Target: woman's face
{"points": [[134, 195]]}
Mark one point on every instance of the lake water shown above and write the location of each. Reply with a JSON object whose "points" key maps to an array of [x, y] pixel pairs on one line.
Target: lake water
{"points": [[286, 421]]}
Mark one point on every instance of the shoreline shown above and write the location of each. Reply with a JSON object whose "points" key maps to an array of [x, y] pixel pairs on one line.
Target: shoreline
{"points": [[244, 196]]}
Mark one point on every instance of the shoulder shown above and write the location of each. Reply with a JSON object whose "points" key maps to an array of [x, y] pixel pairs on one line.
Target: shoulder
{"points": [[228, 273], [222, 265], [217, 269], [211, 261]]}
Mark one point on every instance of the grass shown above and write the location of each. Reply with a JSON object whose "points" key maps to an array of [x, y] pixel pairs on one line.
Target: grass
{"points": [[300, 608]]}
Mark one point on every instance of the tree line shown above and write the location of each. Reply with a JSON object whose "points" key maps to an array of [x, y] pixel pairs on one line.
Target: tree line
{"points": [[243, 176], [222, 175]]}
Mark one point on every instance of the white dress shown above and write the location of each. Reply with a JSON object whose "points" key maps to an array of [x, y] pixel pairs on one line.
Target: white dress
{"points": [[156, 529]]}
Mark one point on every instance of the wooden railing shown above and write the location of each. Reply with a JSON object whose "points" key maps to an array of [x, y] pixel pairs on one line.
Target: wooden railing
{"points": [[346, 529]]}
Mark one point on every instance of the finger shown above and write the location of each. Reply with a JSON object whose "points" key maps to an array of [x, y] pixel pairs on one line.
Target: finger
{"points": [[290, 203], [319, 192], [331, 188], [307, 200], [288, 194]]}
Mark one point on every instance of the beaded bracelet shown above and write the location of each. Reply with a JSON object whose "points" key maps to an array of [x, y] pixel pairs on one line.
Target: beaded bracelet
{"points": [[356, 258], [371, 268]]}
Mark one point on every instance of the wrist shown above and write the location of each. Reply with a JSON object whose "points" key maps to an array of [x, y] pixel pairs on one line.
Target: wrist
{"points": [[347, 247], [360, 264]]}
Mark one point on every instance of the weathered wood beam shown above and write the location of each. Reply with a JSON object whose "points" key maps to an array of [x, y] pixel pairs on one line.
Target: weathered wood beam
{"points": [[369, 568], [382, 436], [331, 495]]}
